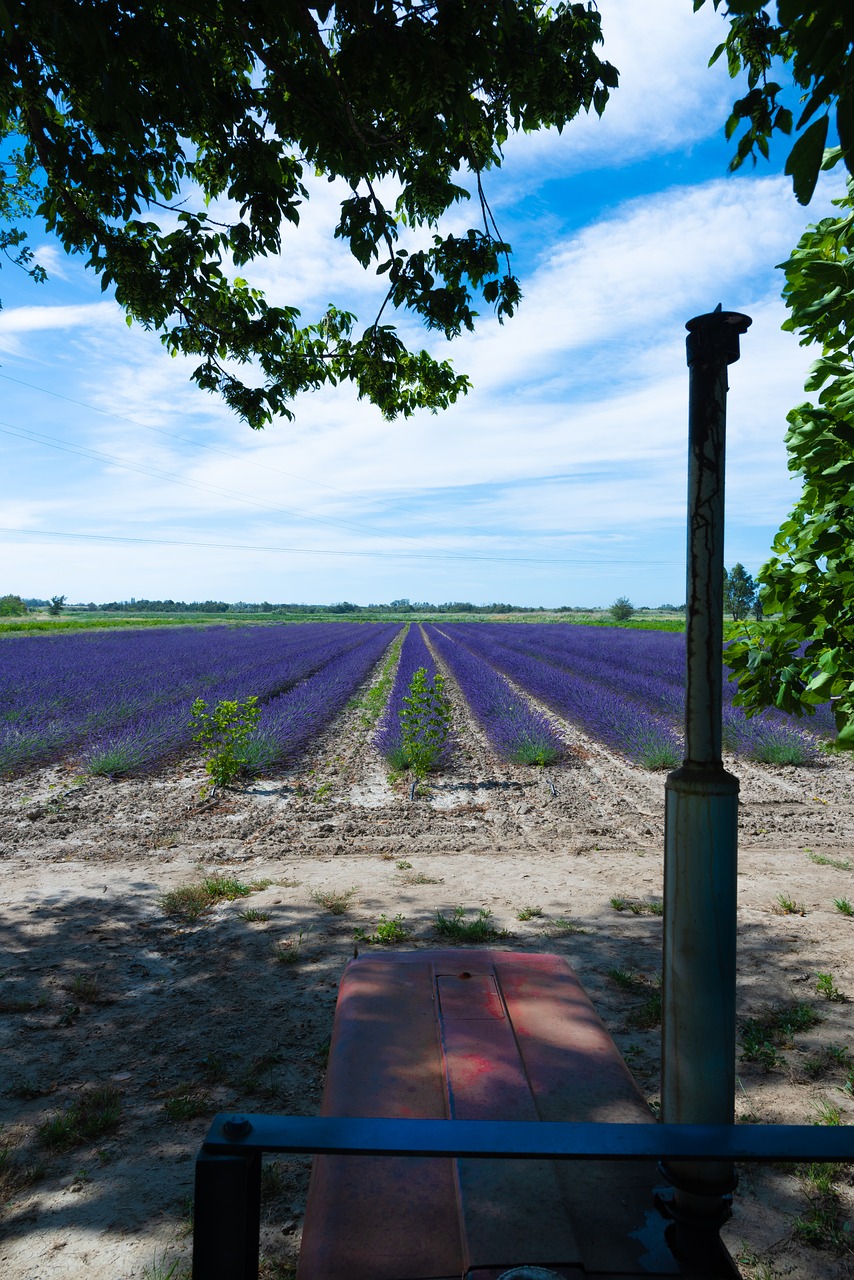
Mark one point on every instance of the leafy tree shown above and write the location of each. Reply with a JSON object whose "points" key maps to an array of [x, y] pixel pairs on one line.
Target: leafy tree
{"points": [[57, 604], [739, 592], [12, 607], [130, 120], [622, 609], [803, 655], [816, 42]]}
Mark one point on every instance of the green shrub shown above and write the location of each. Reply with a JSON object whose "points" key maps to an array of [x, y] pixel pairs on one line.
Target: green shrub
{"points": [[222, 735]]}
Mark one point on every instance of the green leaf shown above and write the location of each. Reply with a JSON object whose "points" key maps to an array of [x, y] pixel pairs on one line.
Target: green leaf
{"points": [[805, 159]]}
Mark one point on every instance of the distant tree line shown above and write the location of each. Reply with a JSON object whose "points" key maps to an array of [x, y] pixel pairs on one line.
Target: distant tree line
{"points": [[135, 605]]}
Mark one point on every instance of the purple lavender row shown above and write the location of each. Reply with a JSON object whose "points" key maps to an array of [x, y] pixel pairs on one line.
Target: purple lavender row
{"points": [[620, 722], [513, 728], [649, 667], [626, 660], [290, 721], [166, 730], [388, 739], [124, 699], [633, 664]]}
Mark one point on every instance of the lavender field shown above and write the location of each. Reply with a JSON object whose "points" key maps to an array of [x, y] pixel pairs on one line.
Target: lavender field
{"points": [[119, 702], [625, 688], [116, 703]]}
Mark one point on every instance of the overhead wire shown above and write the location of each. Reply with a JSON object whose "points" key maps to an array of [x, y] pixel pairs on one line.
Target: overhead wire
{"points": [[230, 453], [318, 551]]}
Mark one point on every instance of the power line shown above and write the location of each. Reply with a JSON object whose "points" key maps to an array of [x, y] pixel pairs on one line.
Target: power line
{"points": [[100, 455], [322, 551], [229, 453]]}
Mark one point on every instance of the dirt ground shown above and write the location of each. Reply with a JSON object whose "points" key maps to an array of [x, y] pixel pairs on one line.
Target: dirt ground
{"points": [[102, 987]]}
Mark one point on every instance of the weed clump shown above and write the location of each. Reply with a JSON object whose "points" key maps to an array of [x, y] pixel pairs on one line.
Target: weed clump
{"points": [[191, 901], [762, 1036], [338, 901], [387, 933], [456, 928], [93, 1114]]}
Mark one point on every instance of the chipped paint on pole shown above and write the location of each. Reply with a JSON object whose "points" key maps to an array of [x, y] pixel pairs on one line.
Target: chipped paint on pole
{"points": [[701, 814]]}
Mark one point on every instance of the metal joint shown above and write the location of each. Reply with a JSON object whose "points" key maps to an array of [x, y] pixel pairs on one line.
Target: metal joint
{"points": [[713, 338]]}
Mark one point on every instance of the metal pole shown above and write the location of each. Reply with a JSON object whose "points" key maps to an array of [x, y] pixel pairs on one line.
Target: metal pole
{"points": [[701, 821]]}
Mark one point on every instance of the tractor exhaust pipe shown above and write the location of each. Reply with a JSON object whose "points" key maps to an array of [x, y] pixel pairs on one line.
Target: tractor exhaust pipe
{"points": [[701, 825]]}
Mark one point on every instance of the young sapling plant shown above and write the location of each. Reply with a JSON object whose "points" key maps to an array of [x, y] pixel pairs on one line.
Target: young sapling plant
{"points": [[425, 720], [222, 734]]}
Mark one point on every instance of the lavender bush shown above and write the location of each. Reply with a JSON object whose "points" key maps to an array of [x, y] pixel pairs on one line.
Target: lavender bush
{"points": [[514, 729]]}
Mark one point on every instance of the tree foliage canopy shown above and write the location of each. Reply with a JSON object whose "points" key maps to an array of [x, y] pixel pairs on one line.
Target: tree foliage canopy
{"points": [[124, 123], [816, 42], [804, 654]]}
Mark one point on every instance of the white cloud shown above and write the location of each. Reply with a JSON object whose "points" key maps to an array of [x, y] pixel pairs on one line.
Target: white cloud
{"points": [[668, 97]]}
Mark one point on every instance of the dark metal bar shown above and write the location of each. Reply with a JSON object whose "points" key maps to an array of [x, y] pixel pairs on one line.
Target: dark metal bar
{"points": [[227, 1214], [538, 1139], [701, 811]]}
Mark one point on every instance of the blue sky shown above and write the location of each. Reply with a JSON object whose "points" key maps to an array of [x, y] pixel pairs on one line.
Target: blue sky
{"points": [[560, 479]]}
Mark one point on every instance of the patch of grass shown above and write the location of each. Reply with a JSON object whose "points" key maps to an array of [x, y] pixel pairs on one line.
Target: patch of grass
{"points": [[529, 913], [827, 1113], [253, 916], [844, 906], [386, 934], [456, 928], [823, 1226], [821, 861], [786, 906], [419, 878], [639, 906], [191, 901], [214, 1068], [322, 792], [634, 983], [288, 951], [274, 1181], [761, 1036], [259, 1077], [825, 986], [86, 989], [373, 702], [562, 927], [338, 901], [21, 1004], [403, 865], [647, 1014], [187, 1102], [163, 1269], [94, 1113], [827, 1059]]}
